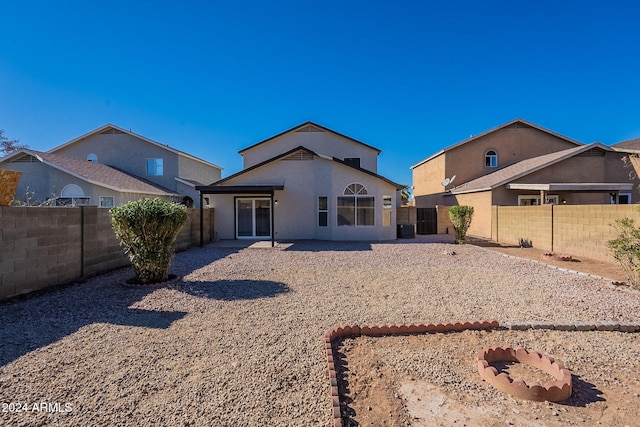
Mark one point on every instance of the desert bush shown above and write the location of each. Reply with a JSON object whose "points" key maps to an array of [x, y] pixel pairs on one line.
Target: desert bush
{"points": [[460, 217], [626, 249], [147, 230]]}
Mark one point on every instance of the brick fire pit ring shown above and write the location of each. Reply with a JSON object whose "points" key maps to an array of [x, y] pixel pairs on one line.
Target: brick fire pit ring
{"points": [[552, 392]]}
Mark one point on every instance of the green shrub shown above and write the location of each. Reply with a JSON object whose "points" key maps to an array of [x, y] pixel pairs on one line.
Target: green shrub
{"points": [[460, 217], [147, 230], [626, 249]]}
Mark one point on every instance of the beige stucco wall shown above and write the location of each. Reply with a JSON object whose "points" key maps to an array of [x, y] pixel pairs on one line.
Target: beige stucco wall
{"points": [[296, 214], [481, 202], [197, 171], [326, 143], [466, 161], [427, 178], [444, 222]]}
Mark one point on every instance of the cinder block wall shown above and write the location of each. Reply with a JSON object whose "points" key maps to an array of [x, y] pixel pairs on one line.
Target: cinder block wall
{"points": [[444, 222], [578, 230], [102, 250], [406, 215], [533, 223], [42, 247], [585, 230]]}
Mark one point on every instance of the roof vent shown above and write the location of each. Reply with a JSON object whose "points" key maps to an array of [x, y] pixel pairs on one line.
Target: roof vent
{"points": [[299, 155], [594, 152], [309, 128], [110, 130]]}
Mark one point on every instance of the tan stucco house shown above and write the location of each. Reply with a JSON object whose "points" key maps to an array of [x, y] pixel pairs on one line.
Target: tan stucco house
{"points": [[109, 166], [308, 182], [520, 164]]}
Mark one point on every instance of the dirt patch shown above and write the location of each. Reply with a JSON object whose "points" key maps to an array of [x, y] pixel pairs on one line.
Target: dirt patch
{"points": [[431, 380], [610, 270]]}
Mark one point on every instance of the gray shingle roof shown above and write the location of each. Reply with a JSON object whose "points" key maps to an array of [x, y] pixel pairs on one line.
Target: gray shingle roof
{"points": [[97, 173], [631, 144], [522, 168]]}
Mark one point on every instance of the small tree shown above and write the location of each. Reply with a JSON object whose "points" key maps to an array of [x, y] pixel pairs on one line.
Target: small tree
{"points": [[626, 249], [8, 146], [460, 217], [147, 230]]}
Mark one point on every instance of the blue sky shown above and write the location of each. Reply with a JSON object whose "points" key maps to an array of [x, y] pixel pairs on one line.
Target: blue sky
{"points": [[410, 77]]}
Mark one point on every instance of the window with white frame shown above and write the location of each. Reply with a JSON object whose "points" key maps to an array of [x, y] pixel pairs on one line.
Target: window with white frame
{"points": [[106, 202], [491, 159], [72, 195], [534, 200], [155, 167], [356, 207], [92, 158]]}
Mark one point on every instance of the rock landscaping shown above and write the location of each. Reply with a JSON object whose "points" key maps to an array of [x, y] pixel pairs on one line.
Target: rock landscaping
{"points": [[240, 339]]}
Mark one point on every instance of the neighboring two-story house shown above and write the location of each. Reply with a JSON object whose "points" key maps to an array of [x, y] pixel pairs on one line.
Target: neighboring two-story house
{"points": [[308, 182], [109, 166], [520, 164]]}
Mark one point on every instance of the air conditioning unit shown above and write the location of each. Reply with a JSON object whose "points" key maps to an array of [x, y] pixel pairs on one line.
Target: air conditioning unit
{"points": [[406, 231]]}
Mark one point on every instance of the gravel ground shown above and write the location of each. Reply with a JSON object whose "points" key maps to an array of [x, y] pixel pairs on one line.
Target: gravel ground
{"points": [[239, 341]]}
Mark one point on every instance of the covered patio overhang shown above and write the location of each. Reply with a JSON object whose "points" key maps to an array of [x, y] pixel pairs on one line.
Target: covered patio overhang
{"points": [[579, 187], [267, 190]]}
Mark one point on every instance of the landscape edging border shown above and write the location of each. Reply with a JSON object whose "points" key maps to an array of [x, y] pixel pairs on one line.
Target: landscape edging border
{"points": [[418, 328], [384, 330]]}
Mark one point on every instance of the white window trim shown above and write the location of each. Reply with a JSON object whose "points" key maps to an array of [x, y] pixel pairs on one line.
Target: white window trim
{"points": [[361, 193], [113, 201], [75, 200], [155, 159], [493, 156], [552, 199]]}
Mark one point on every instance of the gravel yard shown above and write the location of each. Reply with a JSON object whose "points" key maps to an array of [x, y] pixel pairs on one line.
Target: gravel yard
{"points": [[239, 340]]}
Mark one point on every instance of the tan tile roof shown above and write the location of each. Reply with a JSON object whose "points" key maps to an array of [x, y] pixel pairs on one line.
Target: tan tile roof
{"points": [[99, 174], [517, 170]]}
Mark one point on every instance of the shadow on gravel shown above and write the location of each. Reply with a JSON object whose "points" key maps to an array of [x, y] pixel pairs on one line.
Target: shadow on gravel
{"points": [[583, 393], [33, 322], [194, 258], [231, 290]]}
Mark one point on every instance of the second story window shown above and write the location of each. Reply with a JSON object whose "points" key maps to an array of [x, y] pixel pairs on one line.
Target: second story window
{"points": [[352, 161], [154, 167], [491, 159]]}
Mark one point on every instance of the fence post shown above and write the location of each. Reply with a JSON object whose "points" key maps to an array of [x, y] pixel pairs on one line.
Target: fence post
{"points": [[552, 227], [82, 238]]}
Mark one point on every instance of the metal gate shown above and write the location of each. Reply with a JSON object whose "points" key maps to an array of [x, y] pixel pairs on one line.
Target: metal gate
{"points": [[426, 221]]}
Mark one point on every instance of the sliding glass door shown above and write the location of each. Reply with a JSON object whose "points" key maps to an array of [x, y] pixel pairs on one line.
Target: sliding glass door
{"points": [[253, 218]]}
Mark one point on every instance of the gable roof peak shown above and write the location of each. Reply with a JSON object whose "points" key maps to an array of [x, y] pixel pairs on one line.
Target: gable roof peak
{"points": [[495, 129], [319, 128], [105, 127]]}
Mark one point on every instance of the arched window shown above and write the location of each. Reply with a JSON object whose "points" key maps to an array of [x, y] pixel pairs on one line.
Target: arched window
{"points": [[356, 208], [92, 158], [491, 159], [72, 194], [355, 189]]}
